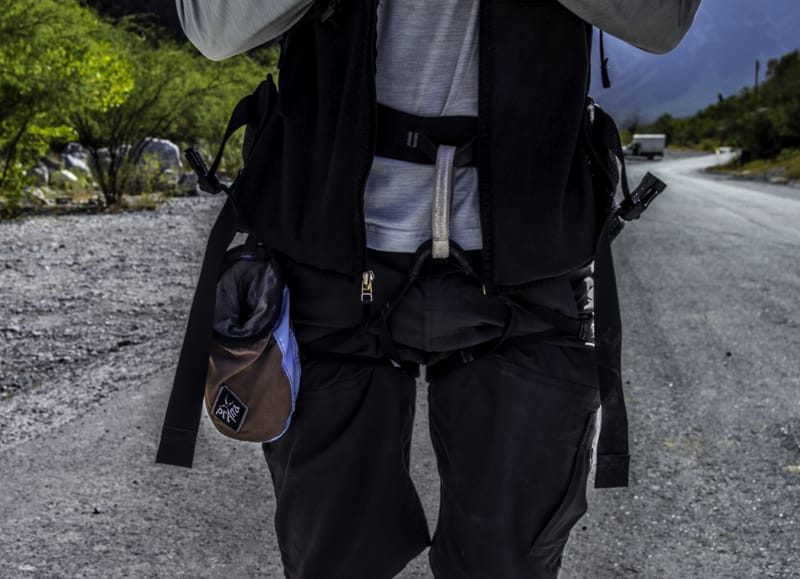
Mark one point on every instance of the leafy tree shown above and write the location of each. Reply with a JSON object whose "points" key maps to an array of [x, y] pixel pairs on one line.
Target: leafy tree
{"points": [[783, 95], [763, 122], [176, 94], [633, 123], [66, 74], [221, 86], [53, 58], [664, 124], [157, 11]]}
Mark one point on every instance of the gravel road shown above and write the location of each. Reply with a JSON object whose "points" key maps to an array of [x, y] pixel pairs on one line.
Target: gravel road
{"points": [[92, 314], [91, 304]]}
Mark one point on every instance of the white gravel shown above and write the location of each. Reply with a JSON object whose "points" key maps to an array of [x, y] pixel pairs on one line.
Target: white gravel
{"points": [[92, 304]]}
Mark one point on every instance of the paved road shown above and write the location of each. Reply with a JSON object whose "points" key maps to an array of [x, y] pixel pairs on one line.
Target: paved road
{"points": [[709, 282]]}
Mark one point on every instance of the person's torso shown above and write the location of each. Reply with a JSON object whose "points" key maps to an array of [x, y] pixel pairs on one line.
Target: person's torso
{"points": [[426, 65], [538, 213]]}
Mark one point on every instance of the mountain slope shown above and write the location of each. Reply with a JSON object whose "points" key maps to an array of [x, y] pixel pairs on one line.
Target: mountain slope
{"points": [[717, 57]]}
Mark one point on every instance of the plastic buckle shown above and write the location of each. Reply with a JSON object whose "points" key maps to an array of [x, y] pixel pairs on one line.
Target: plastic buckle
{"points": [[641, 197], [423, 143], [208, 181], [329, 14], [632, 208]]}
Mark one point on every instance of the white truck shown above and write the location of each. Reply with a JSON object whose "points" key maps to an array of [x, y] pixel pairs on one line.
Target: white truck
{"points": [[649, 146]]}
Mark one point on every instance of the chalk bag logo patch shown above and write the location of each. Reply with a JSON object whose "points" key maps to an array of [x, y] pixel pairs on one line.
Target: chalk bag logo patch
{"points": [[229, 409]]}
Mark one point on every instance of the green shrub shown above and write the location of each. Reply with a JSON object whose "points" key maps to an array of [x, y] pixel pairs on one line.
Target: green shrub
{"points": [[68, 75], [762, 122]]}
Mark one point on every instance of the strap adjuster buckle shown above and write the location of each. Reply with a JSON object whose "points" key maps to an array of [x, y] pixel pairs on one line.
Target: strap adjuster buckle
{"points": [[635, 204], [329, 14], [641, 197], [206, 179]]}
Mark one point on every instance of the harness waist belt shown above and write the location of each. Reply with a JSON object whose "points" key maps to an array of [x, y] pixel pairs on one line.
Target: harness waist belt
{"points": [[416, 139]]}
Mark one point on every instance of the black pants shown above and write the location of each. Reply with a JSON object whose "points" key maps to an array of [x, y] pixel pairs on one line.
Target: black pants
{"points": [[511, 429]]}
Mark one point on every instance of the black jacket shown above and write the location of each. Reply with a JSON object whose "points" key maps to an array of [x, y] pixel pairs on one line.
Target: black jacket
{"points": [[304, 195], [308, 158]]}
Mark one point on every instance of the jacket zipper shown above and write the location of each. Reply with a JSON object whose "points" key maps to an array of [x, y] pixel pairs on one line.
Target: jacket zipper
{"points": [[361, 259], [484, 151]]}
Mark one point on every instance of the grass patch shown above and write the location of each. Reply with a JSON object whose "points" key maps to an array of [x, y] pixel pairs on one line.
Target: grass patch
{"points": [[785, 165], [143, 202]]}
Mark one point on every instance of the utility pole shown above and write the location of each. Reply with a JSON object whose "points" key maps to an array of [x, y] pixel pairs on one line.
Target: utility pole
{"points": [[758, 69]]}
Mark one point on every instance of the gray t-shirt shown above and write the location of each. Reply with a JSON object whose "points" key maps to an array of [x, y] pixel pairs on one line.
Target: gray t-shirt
{"points": [[440, 81]]}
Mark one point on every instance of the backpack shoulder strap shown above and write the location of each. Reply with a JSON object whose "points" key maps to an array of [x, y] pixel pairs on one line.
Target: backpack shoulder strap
{"points": [[179, 433]]}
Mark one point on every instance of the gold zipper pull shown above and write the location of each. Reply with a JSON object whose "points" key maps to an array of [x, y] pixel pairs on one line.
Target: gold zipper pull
{"points": [[366, 286]]}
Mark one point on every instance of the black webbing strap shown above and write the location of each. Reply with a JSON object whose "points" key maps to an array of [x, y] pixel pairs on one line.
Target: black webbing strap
{"points": [[415, 139], [179, 433], [421, 256], [207, 177], [612, 447], [579, 328], [326, 11], [604, 64], [613, 458], [563, 325], [247, 112], [380, 322]]}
